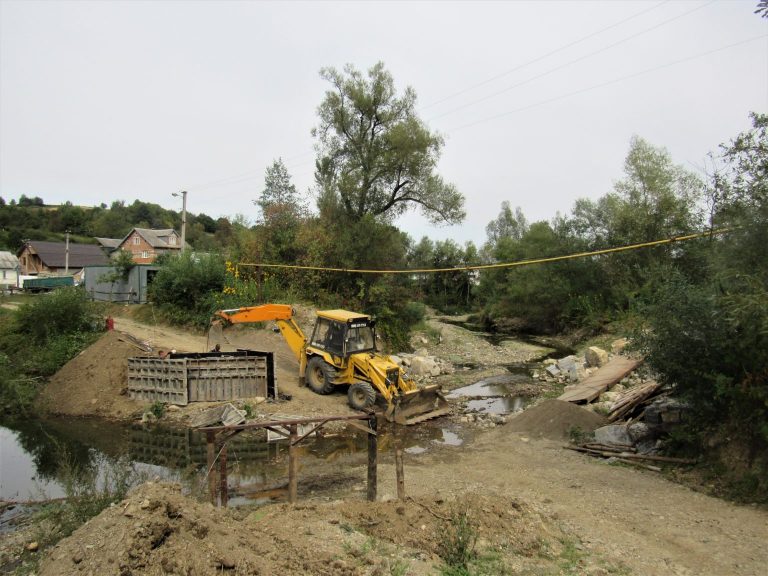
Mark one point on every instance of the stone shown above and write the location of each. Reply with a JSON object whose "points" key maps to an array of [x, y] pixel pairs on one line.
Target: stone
{"points": [[33, 546], [618, 346], [640, 431], [553, 370], [609, 396], [424, 366], [396, 359], [565, 364], [613, 434], [596, 357], [549, 361], [421, 352], [173, 408]]}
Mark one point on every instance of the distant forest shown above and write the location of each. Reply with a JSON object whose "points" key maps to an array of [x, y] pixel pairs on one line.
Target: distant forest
{"points": [[32, 219]]}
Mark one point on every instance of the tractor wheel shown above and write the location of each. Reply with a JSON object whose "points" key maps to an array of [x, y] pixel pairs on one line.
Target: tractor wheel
{"points": [[361, 396], [320, 375]]}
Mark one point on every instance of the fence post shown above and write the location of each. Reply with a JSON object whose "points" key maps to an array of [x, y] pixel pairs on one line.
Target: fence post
{"points": [[223, 474], [293, 456], [372, 458], [211, 459]]}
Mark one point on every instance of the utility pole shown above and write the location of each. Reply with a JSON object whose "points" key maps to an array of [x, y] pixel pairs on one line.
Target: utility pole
{"points": [[66, 255], [183, 217]]}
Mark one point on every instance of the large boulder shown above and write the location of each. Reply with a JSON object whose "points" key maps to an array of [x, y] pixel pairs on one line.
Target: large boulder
{"points": [[596, 357], [613, 434], [424, 366]]}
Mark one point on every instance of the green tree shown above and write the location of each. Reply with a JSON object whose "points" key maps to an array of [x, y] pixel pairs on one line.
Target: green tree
{"points": [[282, 212], [375, 156]]}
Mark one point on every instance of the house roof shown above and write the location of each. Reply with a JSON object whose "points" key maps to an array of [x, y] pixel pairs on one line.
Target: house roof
{"points": [[53, 254], [157, 238], [110, 243], [8, 261]]}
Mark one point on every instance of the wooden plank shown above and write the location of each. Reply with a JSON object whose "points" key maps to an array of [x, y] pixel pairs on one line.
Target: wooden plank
{"points": [[605, 377]]}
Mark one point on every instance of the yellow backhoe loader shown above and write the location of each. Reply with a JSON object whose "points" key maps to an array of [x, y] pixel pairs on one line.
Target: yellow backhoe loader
{"points": [[342, 351]]}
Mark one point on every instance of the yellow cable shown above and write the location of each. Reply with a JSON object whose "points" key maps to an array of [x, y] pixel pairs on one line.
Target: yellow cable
{"points": [[500, 265]]}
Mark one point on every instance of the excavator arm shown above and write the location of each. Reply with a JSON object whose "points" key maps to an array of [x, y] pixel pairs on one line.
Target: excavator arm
{"points": [[282, 314]]}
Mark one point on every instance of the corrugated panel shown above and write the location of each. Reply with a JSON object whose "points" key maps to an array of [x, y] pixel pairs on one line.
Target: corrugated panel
{"points": [[158, 380], [226, 378]]}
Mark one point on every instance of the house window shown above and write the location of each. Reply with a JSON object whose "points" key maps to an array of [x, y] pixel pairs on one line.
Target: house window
{"points": [[144, 254], [172, 240], [136, 240]]}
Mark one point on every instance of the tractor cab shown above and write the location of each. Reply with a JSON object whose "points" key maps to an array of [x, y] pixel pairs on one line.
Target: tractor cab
{"points": [[342, 333]]}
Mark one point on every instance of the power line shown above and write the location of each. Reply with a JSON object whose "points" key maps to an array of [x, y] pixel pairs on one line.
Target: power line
{"points": [[604, 84], [543, 57], [574, 256], [571, 62]]}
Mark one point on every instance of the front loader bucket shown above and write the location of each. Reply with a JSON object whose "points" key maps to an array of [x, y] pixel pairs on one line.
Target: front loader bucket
{"points": [[416, 406]]}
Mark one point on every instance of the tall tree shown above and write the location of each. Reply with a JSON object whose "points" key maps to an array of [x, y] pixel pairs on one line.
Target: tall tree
{"points": [[375, 155], [279, 192]]}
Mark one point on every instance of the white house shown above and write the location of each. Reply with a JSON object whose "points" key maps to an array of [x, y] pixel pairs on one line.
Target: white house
{"points": [[9, 271]]}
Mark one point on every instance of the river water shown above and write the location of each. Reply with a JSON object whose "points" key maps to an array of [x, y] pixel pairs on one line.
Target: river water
{"points": [[33, 453]]}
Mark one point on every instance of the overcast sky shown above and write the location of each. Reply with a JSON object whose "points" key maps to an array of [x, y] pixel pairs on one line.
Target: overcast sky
{"points": [[537, 101]]}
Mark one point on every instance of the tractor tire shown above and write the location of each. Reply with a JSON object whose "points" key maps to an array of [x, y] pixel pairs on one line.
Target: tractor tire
{"points": [[320, 375], [361, 396]]}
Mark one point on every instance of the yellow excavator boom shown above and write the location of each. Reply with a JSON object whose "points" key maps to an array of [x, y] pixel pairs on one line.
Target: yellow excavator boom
{"points": [[282, 314]]}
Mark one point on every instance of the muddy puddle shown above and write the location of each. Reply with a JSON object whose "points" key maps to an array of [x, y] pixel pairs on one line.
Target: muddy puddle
{"points": [[34, 455], [503, 394]]}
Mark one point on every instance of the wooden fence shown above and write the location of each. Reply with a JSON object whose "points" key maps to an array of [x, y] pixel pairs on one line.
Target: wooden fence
{"points": [[202, 377]]}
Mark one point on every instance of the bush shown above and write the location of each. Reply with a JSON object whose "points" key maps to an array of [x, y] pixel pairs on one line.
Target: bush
{"points": [[710, 342], [185, 286], [62, 312], [39, 338]]}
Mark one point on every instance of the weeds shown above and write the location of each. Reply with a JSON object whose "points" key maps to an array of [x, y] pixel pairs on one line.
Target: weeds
{"points": [[577, 435], [157, 409], [456, 542]]}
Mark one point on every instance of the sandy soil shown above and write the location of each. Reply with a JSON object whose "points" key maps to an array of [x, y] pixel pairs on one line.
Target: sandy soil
{"points": [[543, 509]]}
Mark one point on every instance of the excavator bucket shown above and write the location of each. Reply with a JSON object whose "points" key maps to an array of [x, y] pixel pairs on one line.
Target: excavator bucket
{"points": [[417, 405]]}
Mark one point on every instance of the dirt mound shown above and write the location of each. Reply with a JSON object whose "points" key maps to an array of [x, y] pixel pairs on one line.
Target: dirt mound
{"points": [[555, 419], [94, 382], [157, 530]]}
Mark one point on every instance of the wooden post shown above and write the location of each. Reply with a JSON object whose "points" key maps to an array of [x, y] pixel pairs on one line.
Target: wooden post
{"points": [[258, 281], [400, 473], [211, 459], [399, 464], [223, 474], [293, 457], [372, 458]]}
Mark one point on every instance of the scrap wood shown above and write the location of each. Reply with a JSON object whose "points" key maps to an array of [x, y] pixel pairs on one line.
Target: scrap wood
{"points": [[639, 464], [133, 341], [610, 447], [628, 401], [652, 457]]}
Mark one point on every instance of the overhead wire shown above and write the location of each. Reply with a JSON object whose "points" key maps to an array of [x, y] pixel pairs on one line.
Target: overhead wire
{"points": [[604, 84], [528, 262], [570, 63], [544, 56]]}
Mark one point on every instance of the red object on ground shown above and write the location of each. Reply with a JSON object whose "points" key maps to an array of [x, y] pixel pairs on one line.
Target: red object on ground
{"points": [[110, 323]]}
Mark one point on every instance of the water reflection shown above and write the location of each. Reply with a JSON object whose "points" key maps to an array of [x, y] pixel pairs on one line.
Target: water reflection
{"points": [[33, 451]]}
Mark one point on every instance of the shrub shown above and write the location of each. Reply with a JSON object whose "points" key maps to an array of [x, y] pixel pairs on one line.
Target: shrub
{"points": [[64, 311]]}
